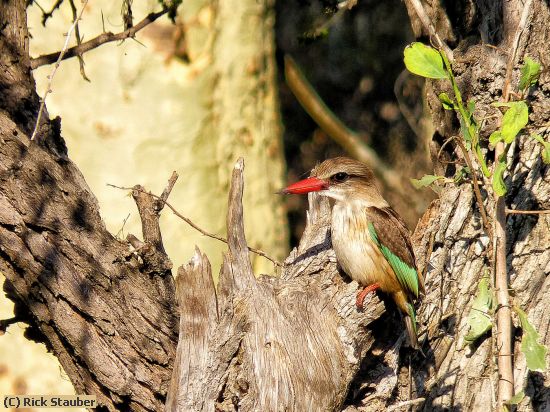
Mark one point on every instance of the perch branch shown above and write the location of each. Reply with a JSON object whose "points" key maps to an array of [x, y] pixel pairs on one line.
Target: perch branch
{"points": [[198, 229], [349, 140], [103, 38], [425, 20], [57, 59]]}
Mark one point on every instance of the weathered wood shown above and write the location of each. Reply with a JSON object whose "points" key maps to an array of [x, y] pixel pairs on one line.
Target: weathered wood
{"points": [[198, 318], [297, 341]]}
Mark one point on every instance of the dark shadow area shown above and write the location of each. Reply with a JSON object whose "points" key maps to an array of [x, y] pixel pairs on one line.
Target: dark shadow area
{"points": [[353, 64]]}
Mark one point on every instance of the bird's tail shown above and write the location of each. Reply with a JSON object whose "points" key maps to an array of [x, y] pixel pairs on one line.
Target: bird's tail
{"points": [[410, 323]]}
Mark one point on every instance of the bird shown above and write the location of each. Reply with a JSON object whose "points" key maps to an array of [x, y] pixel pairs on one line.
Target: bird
{"points": [[371, 242]]}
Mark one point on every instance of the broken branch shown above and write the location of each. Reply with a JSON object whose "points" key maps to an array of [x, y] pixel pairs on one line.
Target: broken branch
{"points": [[197, 228]]}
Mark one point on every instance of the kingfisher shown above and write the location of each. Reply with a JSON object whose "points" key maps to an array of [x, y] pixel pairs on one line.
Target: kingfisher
{"points": [[371, 242]]}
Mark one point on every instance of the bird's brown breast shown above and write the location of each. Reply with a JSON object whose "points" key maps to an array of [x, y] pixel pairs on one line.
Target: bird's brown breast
{"points": [[355, 250]]}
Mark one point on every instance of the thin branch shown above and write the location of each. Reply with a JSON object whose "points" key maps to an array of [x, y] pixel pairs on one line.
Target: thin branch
{"points": [[78, 40], [103, 38], [425, 20], [166, 192], [57, 60], [503, 311], [349, 140], [477, 192], [526, 212], [46, 16], [405, 404], [197, 228], [5, 323]]}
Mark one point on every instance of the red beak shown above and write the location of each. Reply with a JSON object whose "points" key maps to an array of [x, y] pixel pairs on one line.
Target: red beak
{"points": [[311, 184]]}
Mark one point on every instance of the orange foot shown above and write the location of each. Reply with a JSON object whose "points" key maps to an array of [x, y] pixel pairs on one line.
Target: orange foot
{"points": [[361, 295]]}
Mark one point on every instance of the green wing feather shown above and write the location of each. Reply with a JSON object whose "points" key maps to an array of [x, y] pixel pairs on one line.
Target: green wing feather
{"points": [[406, 275]]}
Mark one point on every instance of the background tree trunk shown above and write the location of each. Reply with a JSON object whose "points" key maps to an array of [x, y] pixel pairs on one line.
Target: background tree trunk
{"points": [[193, 100], [108, 311]]}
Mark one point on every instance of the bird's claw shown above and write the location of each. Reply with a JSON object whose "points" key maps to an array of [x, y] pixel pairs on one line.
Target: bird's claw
{"points": [[361, 295]]}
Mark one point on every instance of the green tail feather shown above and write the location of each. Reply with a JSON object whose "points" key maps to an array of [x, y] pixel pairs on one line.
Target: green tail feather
{"points": [[412, 314], [406, 275]]}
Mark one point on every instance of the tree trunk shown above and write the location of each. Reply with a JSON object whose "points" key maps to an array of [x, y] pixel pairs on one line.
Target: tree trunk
{"points": [[108, 309], [451, 237]]}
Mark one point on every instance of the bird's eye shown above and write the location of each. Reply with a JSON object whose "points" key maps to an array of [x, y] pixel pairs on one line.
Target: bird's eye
{"points": [[339, 177]]}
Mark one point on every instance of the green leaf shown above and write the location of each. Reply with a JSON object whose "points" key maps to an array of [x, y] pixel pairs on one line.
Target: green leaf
{"points": [[461, 174], [465, 133], [535, 353], [502, 104], [471, 108], [424, 61], [446, 102], [516, 399], [480, 320], [530, 73], [498, 180], [546, 147], [515, 119], [495, 137], [426, 180]]}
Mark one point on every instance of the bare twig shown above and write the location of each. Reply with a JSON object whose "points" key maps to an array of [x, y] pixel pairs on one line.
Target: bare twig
{"points": [[46, 16], [425, 20], [57, 60], [78, 40], [503, 311], [406, 404], [103, 38], [526, 212], [349, 140], [477, 192], [166, 192], [5, 323], [120, 233], [149, 208], [197, 228]]}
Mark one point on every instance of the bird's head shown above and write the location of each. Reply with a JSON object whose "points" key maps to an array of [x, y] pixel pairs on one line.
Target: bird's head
{"points": [[341, 179]]}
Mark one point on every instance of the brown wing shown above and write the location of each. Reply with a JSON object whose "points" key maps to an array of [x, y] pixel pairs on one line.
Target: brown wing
{"points": [[393, 233]]}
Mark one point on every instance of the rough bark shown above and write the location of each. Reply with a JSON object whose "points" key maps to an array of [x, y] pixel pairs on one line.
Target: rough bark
{"points": [[108, 309], [288, 343], [450, 236]]}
